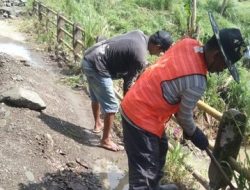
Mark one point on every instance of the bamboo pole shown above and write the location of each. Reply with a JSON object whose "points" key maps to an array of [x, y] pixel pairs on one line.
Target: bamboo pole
{"points": [[210, 110]]}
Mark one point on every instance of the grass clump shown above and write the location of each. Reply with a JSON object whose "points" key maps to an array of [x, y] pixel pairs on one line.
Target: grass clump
{"points": [[175, 171]]}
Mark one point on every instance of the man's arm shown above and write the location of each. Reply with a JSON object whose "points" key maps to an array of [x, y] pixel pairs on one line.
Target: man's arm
{"points": [[186, 91], [134, 69], [184, 116]]}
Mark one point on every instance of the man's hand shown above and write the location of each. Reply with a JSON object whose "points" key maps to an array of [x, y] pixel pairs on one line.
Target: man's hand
{"points": [[199, 139]]}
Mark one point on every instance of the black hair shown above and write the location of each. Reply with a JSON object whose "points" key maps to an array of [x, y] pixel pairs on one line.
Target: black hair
{"points": [[161, 38], [212, 43], [153, 40]]}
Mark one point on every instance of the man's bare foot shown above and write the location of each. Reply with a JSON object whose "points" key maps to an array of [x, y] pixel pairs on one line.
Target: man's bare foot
{"points": [[110, 145], [98, 128]]}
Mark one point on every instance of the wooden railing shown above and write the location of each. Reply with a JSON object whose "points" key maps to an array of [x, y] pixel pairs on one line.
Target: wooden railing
{"points": [[65, 29], [77, 46]]}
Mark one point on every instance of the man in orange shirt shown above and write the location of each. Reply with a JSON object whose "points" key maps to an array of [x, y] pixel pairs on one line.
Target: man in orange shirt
{"points": [[172, 86]]}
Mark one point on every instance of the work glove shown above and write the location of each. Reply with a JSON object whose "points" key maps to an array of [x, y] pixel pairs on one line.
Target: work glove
{"points": [[198, 139]]}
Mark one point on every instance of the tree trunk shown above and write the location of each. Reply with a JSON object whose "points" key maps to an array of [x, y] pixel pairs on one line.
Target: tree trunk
{"points": [[223, 6], [193, 16]]}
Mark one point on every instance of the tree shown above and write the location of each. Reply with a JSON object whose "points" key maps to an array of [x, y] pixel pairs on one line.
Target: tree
{"points": [[193, 28], [223, 6]]}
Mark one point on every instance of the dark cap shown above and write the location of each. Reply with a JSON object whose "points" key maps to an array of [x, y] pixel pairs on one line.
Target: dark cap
{"points": [[231, 45], [161, 38]]}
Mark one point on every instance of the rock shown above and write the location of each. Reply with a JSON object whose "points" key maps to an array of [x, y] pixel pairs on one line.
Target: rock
{"points": [[22, 60], [2, 109], [4, 114], [82, 163], [2, 63], [17, 78], [22, 3], [61, 152], [20, 13], [6, 15], [6, 11], [30, 176], [20, 97], [50, 142], [11, 17], [71, 164], [8, 4], [26, 64], [76, 186], [52, 57], [3, 122], [39, 49]]}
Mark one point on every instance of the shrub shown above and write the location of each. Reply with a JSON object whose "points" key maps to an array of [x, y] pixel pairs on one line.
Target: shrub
{"points": [[156, 4]]}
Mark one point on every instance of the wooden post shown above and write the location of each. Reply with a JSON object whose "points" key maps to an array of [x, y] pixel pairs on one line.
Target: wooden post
{"points": [[77, 36], [34, 6], [40, 16], [227, 146], [48, 13], [60, 24]]}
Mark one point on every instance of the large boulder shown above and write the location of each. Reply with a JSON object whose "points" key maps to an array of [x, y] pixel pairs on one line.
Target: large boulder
{"points": [[20, 97]]}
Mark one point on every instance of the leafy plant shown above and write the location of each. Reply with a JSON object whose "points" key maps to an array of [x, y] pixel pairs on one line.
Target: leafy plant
{"points": [[211, 95], [212, 5], [75, 81], [241, 178], [174, 168]]}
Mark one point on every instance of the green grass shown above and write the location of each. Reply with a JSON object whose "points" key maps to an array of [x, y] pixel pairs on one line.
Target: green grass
{"points": [[175, 170], [110, 17]]}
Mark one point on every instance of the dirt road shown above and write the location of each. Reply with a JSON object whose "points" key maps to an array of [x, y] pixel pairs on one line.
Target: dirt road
{"points": [[54, 149]]}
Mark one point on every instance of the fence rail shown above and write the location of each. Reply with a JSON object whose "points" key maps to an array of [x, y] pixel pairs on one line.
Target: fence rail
{"points": [[76, 46], [62, 24]]}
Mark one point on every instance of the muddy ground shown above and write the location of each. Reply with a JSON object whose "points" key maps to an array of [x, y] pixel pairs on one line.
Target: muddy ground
{"points": [[52, 149]]}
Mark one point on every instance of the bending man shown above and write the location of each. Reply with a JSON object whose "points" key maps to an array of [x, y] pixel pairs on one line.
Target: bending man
{"points": [[122, 56]]}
